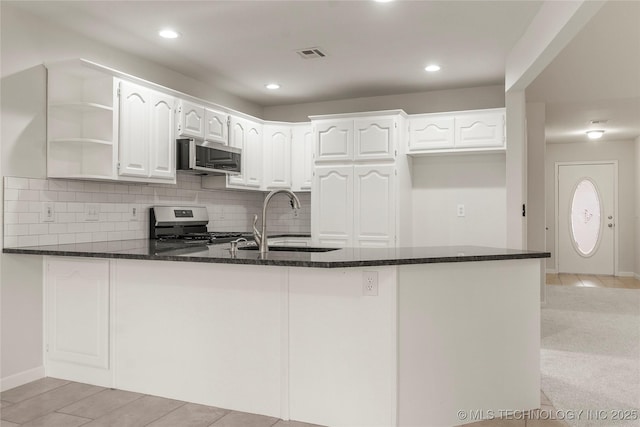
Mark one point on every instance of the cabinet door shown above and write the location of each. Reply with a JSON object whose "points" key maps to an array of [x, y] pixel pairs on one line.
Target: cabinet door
{"points": [[277, 156], [375, 139], [428, 133], [334, 140], [237, 135], [162, 144], [216, 126], [77, 311], [302, 158], [134, 130], [332, 206], [252, 155], [479, 130], [374, 206], [191, 120]]}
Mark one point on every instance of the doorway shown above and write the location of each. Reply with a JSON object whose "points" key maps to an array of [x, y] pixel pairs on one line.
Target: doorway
{"points": [[586, 208]]}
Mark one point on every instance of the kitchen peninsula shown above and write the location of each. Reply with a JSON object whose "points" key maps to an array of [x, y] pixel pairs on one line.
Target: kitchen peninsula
{"points": [[354, 336]]}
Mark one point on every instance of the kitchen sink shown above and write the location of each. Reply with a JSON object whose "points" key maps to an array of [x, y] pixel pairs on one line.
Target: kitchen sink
{"points": [[289, 248]]}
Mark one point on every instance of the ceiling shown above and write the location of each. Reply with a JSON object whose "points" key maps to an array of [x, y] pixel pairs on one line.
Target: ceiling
{"points": [[372, 48], [595, 77], [375, 49]]}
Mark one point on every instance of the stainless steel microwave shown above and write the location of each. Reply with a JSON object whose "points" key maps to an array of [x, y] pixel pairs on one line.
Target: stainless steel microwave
{"points": [[207, 158]]}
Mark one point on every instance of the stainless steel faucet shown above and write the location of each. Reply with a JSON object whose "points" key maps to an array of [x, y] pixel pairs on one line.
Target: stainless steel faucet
{"points": [[261, 237]]}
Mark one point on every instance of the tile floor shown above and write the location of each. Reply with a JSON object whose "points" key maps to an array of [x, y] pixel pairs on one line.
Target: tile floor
{"points": [[52, 402]]}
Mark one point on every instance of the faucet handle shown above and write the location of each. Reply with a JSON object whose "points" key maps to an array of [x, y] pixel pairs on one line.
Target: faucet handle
{"points": [[256, 234]]}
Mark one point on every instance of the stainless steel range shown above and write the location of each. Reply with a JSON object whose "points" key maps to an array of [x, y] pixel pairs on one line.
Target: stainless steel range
{"points": [[185, 224]]}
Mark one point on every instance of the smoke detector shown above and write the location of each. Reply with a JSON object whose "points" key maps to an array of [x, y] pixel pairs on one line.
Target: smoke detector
{"points": [[311, 53]]}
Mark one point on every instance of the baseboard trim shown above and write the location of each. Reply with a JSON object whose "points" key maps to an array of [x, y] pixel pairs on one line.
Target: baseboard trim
{"points": [[551, 271], [21, 378], [626, 274]]}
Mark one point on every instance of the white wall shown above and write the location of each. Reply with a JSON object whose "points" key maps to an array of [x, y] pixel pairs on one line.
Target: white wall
{"points": [[624, 153], [411, 103], [441, 183], [536, 150], [637, 182]]}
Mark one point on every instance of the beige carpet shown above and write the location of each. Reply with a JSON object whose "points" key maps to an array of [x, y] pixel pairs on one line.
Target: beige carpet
{"points": [[590, 354]]}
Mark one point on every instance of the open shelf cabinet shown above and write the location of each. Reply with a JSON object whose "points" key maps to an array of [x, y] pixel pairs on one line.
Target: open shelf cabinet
{"points": [[82, 121]]}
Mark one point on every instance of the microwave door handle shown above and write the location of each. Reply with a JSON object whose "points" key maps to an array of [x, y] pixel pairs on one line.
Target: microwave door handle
{"points": [[192, 154]]}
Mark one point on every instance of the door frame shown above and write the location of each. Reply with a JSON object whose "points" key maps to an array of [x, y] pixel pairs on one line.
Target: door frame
{"points": [[616, 239]]}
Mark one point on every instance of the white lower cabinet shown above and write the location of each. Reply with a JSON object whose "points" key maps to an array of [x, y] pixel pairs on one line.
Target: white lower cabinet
{"points": [[354, 206], [332, 206], [77, 319], [374, 206]]}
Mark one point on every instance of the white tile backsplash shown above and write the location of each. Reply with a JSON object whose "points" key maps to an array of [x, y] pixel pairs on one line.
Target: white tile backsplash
{"points": [[25, 200]]}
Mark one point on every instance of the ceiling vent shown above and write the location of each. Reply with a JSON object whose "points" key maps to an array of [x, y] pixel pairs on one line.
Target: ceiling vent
{"points": [[311, 53], [598, 122]]}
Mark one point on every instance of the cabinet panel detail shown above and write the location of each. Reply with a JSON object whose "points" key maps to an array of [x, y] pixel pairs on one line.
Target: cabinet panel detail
{"points": [[334, 141], [374, 139], [78, 312], [482, 130], [374, 206], [429, 133]]}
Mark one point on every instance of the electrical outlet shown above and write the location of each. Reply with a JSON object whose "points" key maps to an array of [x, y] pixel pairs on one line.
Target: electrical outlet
{"points": [[221, 216], [91, 212], [134, 214], [295, 213], [460, 210], [370, 283], [48, 212]]}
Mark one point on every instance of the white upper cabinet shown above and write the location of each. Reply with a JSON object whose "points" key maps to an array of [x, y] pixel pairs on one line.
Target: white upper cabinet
{"points": [[480, 130], [431, 131], [191, 120], [334, 140], [302, 157], [375, 138], [277, 156], [202, 123], [146, 143], [367, 138], [216, 126], [467, 131], [252, 155], [162, 151], [374, 205], [246, 135], [135, 102]]}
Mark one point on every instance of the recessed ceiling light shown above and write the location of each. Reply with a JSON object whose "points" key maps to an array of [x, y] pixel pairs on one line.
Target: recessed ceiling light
{"points": [[432, 68], [595, 134], [168, 33], [272, 86], [383, 1]]}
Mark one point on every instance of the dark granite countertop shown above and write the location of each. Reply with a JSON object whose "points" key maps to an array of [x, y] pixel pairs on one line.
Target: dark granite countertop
{"points": [[144, 249]]}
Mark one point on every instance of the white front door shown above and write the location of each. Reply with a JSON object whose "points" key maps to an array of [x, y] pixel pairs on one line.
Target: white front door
{"points": [[586, 218]]}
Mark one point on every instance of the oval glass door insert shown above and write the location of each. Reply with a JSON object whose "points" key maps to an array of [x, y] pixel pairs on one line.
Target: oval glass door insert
{"points": [[586, 221]]}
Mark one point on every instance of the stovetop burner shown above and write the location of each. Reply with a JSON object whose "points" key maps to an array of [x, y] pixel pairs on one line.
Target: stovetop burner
{"points": [[208, 237]]}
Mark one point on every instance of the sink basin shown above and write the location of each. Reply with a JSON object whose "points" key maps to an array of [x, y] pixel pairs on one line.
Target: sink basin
{"points": [[289, 248]]}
